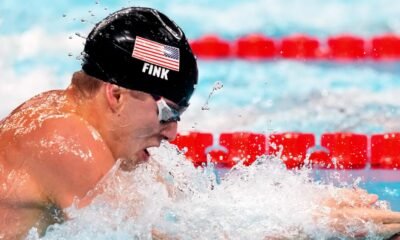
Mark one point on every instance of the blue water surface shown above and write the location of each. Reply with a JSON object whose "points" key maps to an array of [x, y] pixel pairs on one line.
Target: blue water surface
{"points": [[389, 191]]}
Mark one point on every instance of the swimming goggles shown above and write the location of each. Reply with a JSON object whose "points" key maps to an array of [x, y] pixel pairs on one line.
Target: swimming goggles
{"points": [[167, 113]]}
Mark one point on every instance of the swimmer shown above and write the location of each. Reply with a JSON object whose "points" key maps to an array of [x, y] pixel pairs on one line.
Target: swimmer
{"points": [[137, 77]]}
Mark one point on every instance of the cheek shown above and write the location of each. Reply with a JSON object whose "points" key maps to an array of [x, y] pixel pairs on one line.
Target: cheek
{"points": [[141, 122], [147, 128], [146, 119], [149, 117]]}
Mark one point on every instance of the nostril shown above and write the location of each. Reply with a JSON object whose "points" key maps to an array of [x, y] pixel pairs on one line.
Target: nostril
{"points": [[169, 131]]}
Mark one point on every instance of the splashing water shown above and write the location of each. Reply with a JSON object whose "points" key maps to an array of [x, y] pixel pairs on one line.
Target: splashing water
{"points": [[80, 35], [217, 86], [168, 195]]}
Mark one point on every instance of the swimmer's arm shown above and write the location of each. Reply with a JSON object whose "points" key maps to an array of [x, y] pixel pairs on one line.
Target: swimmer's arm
{"points": [[342, 219], [68, 159], [350, 204], [158, 235], [388, 221]]}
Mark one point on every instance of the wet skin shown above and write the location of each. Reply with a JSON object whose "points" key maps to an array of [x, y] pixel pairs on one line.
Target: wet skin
{"points": [[58, 145]]}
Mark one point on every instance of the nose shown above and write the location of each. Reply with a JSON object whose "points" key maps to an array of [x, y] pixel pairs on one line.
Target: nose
{"points": [[170, 130]]}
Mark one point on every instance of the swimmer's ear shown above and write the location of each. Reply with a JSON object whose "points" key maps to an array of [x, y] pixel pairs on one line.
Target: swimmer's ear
{"points": [[113, 96]]}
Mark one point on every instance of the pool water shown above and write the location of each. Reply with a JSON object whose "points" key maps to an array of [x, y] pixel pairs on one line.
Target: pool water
{"points": [[262, 200], [258, 96], [282, 95], [388, 191], [316, 97], [384, 183]]}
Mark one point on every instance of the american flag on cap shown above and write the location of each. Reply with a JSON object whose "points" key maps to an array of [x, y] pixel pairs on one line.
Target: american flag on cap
{"points": [[156, 53]]}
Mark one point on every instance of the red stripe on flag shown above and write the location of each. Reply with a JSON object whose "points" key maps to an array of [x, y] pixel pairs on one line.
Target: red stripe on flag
{"points": [[154, 52], [159, 63]]}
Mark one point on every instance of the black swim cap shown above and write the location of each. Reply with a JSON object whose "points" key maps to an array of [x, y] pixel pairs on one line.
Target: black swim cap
{"points": [[142, 49]]}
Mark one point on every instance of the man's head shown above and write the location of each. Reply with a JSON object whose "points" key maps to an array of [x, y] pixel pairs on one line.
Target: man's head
{"points": [[142, 49], [149, 74]]}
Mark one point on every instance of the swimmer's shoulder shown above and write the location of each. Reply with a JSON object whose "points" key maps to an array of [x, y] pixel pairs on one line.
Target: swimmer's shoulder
{"points": [[63, 153], [29, 114], [70, 157], [42, 100]]}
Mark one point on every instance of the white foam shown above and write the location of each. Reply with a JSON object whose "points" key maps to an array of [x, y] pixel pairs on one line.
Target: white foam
{"points": [[170, 195], [35, 42]]}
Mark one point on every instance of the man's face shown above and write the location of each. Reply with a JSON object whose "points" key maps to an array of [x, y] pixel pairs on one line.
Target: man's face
{"points": [[139, 126]]}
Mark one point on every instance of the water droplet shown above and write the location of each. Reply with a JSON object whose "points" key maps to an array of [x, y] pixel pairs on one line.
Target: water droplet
{"points": [[105, 9], [64, 15], [83, 20], [79, 35], [84, 54], [205, 108], [218, 85], [69, 54], [97, 2], [70, 37]]}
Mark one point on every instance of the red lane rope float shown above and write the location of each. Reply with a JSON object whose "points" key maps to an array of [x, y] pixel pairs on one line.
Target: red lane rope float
{"points": [[194, 146], [300, 46], [257, 46], [292, 147], [345, 151], [211, 47], [242, 146], [334, 150], [385, 151], [386, 47], [346, 47]]}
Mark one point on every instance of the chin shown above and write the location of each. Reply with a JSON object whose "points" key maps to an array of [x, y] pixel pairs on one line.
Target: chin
{"points": [[129, 164]]}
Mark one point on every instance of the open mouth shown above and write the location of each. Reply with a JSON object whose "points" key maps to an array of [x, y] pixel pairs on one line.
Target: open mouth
{"points": [[147, 152], [144, 155]]}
